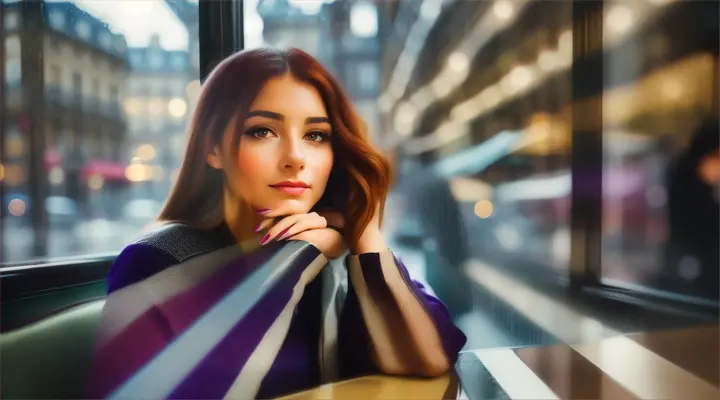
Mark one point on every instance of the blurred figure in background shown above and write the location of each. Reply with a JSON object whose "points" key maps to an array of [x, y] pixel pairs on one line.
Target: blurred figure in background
{"points": [[693, 253], [429, 203]]}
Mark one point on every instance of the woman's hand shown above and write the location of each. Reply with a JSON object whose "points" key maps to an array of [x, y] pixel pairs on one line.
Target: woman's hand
{"points": [[311, 227], [371, 239]]}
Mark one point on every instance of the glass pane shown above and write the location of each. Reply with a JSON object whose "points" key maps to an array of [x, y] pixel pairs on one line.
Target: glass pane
{"points": [[96, 98], [661, 160], [471, 99]]}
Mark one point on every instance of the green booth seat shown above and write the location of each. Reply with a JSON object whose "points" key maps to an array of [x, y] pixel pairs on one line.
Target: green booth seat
{"points": [[50, 359]]}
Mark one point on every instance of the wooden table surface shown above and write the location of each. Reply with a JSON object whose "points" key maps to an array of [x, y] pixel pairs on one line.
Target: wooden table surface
{"points": [[384, 387], [678, 364]]}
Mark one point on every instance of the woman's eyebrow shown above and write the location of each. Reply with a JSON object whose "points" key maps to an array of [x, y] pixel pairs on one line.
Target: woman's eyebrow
{"points": [[265, 113], [317, 120], [280, 117]]}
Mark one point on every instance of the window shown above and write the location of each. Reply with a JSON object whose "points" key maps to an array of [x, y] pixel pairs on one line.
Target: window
{"points": [[13, 71], [55, 75], [11, 21], [479, 93], [13, 65], [156, 59], [12, 46], [660, 218], [114, 94], [77, 83], [96, 89], [88, 142]]}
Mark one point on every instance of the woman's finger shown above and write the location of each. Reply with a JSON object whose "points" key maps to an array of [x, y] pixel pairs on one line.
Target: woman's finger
{"points": [[264, 224], [281, 227], [271, 217], [274, 213], [309, 222]]}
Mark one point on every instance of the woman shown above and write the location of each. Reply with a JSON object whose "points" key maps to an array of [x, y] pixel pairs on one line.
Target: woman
{"points": [[279, 163]]}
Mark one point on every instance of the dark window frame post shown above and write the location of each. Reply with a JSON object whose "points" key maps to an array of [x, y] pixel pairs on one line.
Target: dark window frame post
{"points": [[587, 145], [220, 30]]}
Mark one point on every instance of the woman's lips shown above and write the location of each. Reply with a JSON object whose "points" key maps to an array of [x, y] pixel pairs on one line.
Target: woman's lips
{"points": [[295, 191], [291, 190]]}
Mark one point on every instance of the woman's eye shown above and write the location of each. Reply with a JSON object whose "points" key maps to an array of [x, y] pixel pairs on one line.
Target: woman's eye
{"points": [[259, 133], [317, 136]]}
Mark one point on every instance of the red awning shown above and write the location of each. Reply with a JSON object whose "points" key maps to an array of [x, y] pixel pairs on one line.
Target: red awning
{"points": [[107, 169]]}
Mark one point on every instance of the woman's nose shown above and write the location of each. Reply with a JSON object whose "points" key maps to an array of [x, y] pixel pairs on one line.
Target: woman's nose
{"points": [[293, 157]]}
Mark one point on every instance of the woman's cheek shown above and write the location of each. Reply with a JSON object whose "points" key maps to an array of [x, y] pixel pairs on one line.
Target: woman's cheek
{"points": [[325, 165], [253, 167], [251, 160], [324, 168]]}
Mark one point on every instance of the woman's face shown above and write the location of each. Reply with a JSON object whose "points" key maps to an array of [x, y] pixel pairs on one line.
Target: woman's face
{"points": [[284, 156]]}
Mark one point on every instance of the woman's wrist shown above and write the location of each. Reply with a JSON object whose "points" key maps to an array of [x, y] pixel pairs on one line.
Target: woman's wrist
{"points": [[371, 241]]}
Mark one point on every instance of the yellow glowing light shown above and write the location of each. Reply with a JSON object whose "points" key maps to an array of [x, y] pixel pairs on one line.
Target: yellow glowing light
{"points": [[177, 107], [483, 209], [96, 182], [136, 173], [146, 152]]}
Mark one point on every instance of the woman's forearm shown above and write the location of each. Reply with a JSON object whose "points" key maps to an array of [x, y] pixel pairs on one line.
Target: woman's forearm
{"points": [[403, 325]]}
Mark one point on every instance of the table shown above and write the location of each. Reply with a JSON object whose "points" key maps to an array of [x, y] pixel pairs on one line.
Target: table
{"points": [[384, 387], [674, 364]]}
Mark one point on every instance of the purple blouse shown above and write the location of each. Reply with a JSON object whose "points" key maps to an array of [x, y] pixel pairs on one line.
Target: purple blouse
{"points": [[261, 323]]}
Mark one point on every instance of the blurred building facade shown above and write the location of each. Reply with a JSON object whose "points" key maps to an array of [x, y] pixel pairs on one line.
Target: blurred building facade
{"points": [[157, 109], [65, 133]]}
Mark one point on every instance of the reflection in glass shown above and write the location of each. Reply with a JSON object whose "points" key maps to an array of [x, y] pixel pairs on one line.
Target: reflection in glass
{"points": [[660, 218]]}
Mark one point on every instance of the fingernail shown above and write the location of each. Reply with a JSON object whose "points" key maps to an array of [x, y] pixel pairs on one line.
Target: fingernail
{"points": [[281, 234], [262, 210], [257, 228], [265, 239]]}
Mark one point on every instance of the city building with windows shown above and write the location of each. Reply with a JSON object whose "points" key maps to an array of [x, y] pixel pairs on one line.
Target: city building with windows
{"points": [[65, 129], [187, 12], [158, 92]]}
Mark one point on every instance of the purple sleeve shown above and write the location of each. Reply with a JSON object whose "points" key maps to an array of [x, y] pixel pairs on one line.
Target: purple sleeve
{"points": [[156, 326], [136, 263], [145, 336], [355, 348]]}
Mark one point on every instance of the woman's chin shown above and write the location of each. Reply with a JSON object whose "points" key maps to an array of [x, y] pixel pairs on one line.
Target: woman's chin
{"points": [[294, 206]]}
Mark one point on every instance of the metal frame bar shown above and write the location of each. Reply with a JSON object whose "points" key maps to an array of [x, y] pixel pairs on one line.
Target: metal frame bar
{"points": [[586, 154], [221, 32], [3, 212]]}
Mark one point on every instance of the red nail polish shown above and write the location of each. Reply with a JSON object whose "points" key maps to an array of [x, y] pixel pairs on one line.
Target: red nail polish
{"points": [[262, 210], [257, 228], [264, 239], [280, 235]]}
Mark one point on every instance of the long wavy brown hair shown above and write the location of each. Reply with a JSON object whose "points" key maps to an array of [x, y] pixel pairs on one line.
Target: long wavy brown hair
{"points": [[359, 181]]}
